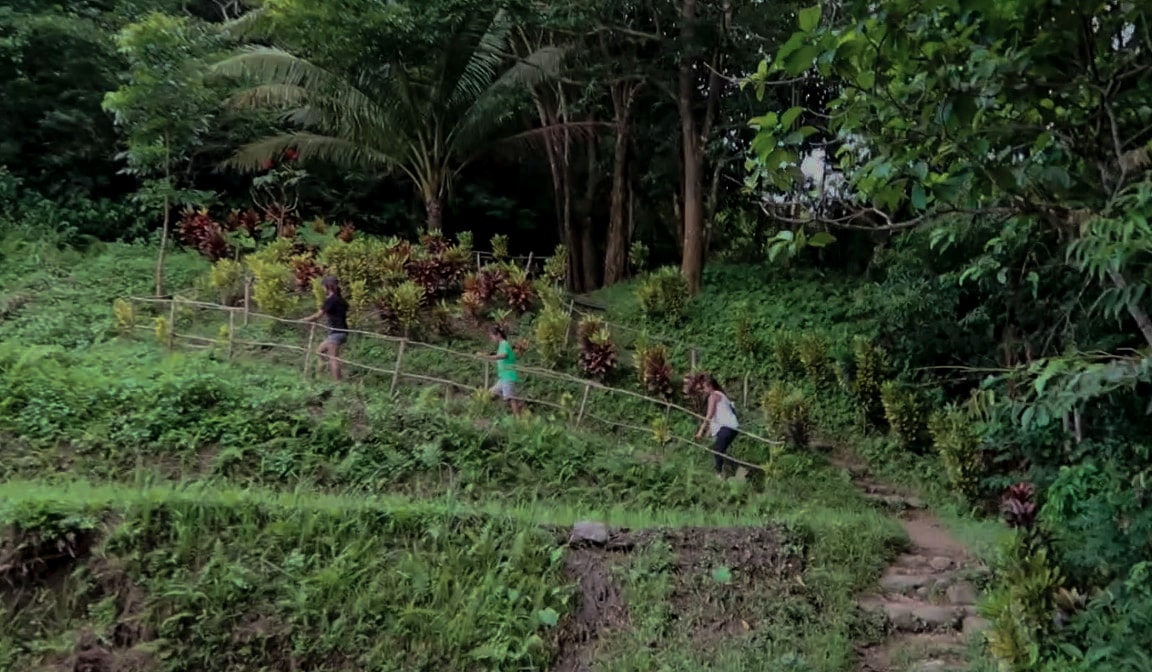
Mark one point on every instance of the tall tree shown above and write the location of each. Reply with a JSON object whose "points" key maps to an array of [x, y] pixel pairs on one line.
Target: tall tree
{"points": [[427, 122], [164, 108]]}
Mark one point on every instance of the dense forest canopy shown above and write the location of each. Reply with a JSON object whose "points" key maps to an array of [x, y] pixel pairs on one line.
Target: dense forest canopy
{"points": [[986, 165]]}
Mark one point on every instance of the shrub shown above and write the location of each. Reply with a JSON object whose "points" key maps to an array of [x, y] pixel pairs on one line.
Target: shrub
{"points": [[788, 414], [655, 371], [435, 243], [227, 278], [472, 305], [786, 355], [597, 351], [745, 334], [664, 295], [694, 392], [485, 283], [404, 301], [464, 241], [955, 438], [442, 315], [500, 246], [361, 300], [125, 314], [272, 290], [812, 350], [552, 326], [556, 267], [903, 412], [517, 290], [304, 270], [870, 363], [638, 256], [374, 262], [199, 231]]}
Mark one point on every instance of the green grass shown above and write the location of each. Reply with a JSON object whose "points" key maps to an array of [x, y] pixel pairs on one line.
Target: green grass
{"points": [[232, 513]]}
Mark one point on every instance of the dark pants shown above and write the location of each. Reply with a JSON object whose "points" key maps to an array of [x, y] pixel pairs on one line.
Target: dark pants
{"points": [[724, 439]]}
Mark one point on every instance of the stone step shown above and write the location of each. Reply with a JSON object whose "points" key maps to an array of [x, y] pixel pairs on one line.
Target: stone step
{"points": [[914, 616], [940, 588], [895, 502]]}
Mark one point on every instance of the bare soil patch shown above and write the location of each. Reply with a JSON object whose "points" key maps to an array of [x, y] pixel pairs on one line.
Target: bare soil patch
{"points": [[711, 609]]}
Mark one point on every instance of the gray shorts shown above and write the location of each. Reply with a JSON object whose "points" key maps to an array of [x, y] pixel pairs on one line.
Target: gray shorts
{"points": [[505, 389], [337, 337]]}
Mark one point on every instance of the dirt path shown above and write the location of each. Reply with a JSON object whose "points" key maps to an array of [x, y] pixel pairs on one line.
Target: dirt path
{"points": [[926, 597]]}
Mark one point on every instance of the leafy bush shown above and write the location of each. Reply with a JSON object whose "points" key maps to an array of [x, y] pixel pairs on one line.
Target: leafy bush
{"points": [[500, 246], [199, 231], [904, 414], [125, 314], [747, 341], [813, 352], [473, 306], [788, 414], [517, 290], [655, 370], [274, 283], [871, 365], [464, 242], [638, 255], [786, 355], [597, 351], [556, 266], [955, 438], [376, 263], [663, 295], [694, 391], [227, 278], [552, 326], [404, 302]]}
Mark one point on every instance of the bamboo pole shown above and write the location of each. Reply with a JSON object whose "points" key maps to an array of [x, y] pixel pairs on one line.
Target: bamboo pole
{"points": [[172, 325], [308, 351], [231, 333], [396, 370], [568, 331], [247, 299], [583, 403], [692, 359], [745, 404], [487, 383], [528, 265]]}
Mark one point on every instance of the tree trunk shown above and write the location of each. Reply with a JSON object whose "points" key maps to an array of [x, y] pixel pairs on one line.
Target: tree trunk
{"points": [[433, 213], [692, 260], [619, 228], [589, 254]]}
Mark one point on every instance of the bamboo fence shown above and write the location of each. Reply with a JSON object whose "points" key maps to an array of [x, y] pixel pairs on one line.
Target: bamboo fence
{"points": [[397, 372]]}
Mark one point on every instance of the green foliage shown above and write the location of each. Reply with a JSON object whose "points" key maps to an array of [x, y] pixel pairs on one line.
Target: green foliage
{"points": [[655, 369], [597, 350], [956, 440], [376, 262], [556, 267], [227, 278], [638, 255], [552, 325], [405, 300], [499, 245], [663, 295], [904, 414], [786, 354], [871, 367], [789, 414], [812, 350]]}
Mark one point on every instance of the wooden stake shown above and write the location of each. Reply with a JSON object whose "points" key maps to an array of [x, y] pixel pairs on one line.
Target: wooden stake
{"points": [[172, 325], [692, 359], [583, 403], [231, 333], [487, 384], [308, 351], [745, 404], [528, 265], [568, 331], [479, 265], [247, 299], [399, 362]]}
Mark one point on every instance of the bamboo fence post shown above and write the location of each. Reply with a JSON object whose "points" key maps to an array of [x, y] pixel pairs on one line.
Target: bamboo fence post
{"points": [[172, 325], [396, 371], [692, 359], [478, 264], [231, 333], [247, 299], [583, 403], [487, 384], [568, 331], [528, 264], [308, 351], [745, 404]]}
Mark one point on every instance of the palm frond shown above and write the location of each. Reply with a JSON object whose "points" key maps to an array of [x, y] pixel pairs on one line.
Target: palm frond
{"points": [[470, 58], [270, 96], [489, 111], [482, 67], [532, 141], [311, 148]]}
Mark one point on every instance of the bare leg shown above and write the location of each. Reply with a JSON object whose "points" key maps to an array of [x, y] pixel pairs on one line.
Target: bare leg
{"points": [[322, 351], [517, 406], [334, 362]]}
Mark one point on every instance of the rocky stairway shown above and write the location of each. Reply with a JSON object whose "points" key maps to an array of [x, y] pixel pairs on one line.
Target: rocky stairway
{"points": [[926, 598]]}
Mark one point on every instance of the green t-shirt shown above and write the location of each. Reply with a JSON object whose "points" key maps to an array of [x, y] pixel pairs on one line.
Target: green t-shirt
{"points": [[506, 368]]}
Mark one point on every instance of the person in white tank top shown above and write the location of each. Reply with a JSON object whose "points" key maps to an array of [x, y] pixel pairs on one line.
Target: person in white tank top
{"points": [[721, 423]]}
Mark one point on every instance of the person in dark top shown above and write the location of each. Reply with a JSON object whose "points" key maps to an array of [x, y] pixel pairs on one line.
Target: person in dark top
{"points": [[335, 308]]}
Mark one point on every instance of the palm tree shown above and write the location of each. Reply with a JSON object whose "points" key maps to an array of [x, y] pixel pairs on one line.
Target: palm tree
{"points": [[427, 122]]}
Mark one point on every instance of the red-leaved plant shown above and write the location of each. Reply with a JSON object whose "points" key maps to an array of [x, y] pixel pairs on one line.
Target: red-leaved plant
{"points": [[199, 231], [1019, 506], [597, 351], [655, 371], [694, 392]]}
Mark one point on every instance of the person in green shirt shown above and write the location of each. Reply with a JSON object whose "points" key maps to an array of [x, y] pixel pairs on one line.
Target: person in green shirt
{"points": [[506, 377]]}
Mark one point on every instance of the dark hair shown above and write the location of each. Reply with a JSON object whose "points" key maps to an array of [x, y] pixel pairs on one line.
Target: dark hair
{"points": [[711, 381], [497, 330], [331, 283]]}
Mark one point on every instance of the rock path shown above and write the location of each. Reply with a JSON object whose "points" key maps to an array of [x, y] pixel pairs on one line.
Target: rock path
{"points": [[927, 597]]}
